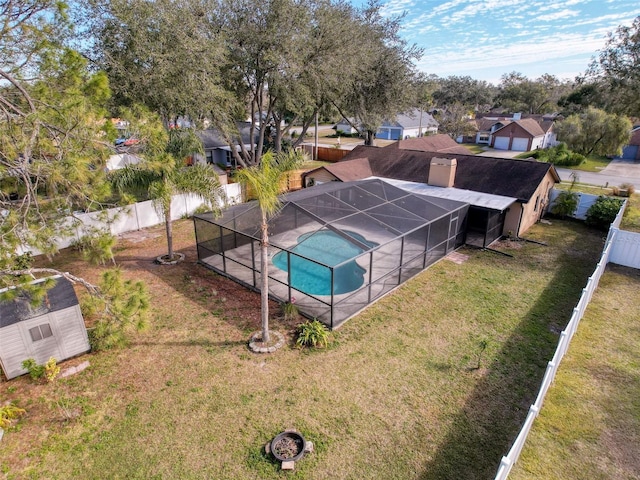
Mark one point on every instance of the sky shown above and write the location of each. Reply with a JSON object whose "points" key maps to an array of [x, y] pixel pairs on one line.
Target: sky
{"points": [[485, 39]]}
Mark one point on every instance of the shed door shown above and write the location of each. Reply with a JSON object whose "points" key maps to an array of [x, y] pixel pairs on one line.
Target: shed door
{"points": [[501, 143], [520, 144]]}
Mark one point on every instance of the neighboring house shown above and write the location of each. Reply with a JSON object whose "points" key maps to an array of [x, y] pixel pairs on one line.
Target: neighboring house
{"points": [[54, 329], [532, 131], [506, 196], [216, 149], [486, 128], [524, 135], [631, 151], [440, 142], [345, 128], [406, 125]]}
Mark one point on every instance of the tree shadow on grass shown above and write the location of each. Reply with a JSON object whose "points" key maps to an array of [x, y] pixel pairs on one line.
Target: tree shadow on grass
{"points": [[220, 296], [485, 428]]}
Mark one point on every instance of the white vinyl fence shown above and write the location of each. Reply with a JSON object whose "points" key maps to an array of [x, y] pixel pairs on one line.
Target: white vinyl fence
{"points": [[624, 249], [135, 217], [585, 200]]}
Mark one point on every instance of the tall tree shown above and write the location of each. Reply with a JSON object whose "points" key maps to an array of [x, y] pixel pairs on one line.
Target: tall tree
{"points": [[264, 42], [519, 93], [586, 93], [595, 131], [52, 132], [475, 94], [53, 142], [382, 86], [264, 181], [162, 54], [618, 67], [323, 67], [163, 172], [455, 121]]}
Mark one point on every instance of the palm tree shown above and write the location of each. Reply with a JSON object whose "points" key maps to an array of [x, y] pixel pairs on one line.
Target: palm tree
{"points": [[264, 181], [164, 174]]}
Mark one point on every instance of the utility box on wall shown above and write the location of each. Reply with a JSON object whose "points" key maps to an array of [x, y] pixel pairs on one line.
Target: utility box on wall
{"points": [[55, 329]]}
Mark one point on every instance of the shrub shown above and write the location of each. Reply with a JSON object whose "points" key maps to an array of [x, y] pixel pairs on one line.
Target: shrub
{"points": [[629, 187], [8, 413], [289, 310], [36, 372], [49, 370], [312, 334], [559, 155], [565, 204], [603, 212]]}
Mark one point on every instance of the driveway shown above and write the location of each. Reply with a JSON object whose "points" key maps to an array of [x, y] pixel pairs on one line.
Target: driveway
{"points": [[490, 152]]}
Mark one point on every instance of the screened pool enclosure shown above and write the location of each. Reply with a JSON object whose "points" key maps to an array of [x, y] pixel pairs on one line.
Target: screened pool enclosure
{"points": [[334, 248]]}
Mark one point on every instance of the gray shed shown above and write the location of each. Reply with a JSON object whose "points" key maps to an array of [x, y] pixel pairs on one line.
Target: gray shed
{"points": [[54, 329]]}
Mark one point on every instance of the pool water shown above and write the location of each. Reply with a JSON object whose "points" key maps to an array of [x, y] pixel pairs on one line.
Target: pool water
{"points": [[331, 249]]}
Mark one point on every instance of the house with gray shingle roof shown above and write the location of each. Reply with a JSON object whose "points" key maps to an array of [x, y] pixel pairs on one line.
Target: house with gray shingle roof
{"points": [[412, 124], [506, 196]]}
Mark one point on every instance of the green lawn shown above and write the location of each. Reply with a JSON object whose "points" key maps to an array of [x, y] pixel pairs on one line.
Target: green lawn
{"points": [[593, 163], [476, 149], [405, 390], [589, 426]]}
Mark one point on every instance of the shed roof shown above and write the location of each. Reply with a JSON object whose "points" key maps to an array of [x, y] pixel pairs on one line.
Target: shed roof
{"points": [[60, 296]]}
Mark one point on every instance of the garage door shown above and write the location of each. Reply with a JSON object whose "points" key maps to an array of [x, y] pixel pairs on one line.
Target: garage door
{"points": [[501, 143], [630, 152], [520, 144]]}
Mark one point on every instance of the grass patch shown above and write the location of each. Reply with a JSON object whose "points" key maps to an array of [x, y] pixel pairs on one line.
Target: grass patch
{"points": [[476, 149], [593, 163], [432, 382], [589, 426]]}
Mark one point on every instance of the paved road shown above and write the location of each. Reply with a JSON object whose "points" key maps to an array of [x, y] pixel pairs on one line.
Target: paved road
{"points": [[614, 175]]}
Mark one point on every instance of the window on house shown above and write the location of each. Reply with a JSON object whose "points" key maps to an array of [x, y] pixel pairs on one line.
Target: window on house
{"points": [[537, 203], [483, 138], [40, 332]]}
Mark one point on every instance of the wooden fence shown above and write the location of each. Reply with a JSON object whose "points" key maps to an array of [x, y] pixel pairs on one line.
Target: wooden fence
{"points": [[510, 459], [326, 154]]}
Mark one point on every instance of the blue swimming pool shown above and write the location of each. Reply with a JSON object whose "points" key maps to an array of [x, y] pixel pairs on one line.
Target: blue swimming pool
{"points": [[331, 249]]}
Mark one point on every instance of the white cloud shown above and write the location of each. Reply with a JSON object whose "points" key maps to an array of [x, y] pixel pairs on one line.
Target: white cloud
{"points": [[566, 13], [397, 7], [467, 37]]}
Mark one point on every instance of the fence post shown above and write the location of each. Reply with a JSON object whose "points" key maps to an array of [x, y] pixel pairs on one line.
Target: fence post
{"points": [[135, 213]]}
